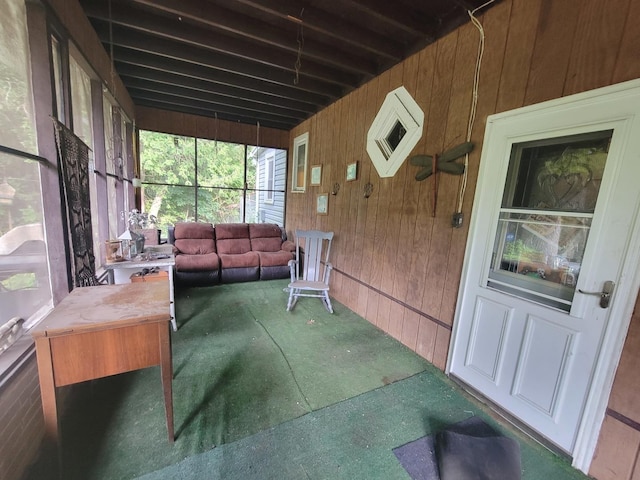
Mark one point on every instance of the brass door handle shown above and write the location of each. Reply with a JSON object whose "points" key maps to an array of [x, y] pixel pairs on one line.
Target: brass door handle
{"points": [[605, 294]]}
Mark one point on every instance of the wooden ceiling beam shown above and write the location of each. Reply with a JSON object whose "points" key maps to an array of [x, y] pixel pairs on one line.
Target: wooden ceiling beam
{"points": [[244, 55], [468, 5], [226, 20], [220, 111], [410, 21], [206, 113], [169, 49], [212, 98], [191, 70], [129, 71], [332, 26], [196, 23]]}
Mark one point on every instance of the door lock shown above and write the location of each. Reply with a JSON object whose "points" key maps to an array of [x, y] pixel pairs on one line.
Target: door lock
{"points": [[605, 294]]}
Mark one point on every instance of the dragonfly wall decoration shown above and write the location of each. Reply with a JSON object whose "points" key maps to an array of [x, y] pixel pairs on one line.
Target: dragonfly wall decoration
{"points": [[440, 163], [444, 162]]}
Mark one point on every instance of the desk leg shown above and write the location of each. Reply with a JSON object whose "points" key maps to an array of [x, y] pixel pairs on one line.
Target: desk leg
{"points": [[172, 305], [166, 371], [49, 402], [47, 388], [111, 277]]}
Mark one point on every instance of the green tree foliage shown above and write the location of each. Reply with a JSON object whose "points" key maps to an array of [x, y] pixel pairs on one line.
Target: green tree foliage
{"points": [[170, 186]]}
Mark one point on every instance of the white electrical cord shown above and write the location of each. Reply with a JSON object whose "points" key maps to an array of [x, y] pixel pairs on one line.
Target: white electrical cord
{"points": [[474, 99]]}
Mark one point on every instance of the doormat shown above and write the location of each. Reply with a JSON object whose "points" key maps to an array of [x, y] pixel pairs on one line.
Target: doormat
{"points": [[467, 450]]}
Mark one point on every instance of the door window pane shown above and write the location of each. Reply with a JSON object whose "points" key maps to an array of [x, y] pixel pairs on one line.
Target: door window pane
{"points": [[549, 198]]}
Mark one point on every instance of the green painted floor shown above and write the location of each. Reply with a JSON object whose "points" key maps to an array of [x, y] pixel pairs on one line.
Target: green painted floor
{"points": [[268, 394]]}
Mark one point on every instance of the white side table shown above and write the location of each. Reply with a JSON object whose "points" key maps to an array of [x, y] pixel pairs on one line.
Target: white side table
{"points": [[120, 272]]}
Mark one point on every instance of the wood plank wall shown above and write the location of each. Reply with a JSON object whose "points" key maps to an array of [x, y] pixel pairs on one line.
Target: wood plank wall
{"points": [[210, 128], [396, 264]]}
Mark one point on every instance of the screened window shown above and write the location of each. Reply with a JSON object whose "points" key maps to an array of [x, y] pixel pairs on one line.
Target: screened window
{"points": [[83, 127], [58, 82], [25, 290], [112, 170], [193, 179]]}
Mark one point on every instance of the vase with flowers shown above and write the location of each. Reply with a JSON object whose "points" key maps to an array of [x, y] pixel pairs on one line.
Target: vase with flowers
{"points": [[140, 220], [143, 224]]}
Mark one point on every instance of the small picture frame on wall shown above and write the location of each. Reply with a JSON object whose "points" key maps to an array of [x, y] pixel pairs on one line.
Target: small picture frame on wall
{"points": [[316, 175], [322, 204], [352, 171]]}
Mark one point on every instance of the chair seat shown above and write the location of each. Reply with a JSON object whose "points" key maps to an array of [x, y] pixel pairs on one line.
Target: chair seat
{"points": [[309, 285]]}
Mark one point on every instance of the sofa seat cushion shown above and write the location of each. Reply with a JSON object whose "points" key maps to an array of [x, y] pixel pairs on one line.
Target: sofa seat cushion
{"points": [[197, 263], [275, 259], [239, 260], [193, 230], [195, 246], [265, 237], [232, 238]]}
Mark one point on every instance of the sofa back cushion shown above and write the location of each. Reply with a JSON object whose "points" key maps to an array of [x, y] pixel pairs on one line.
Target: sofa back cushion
{"points": [[194, 230], [195, 246], [265, 237], [232, 238]]}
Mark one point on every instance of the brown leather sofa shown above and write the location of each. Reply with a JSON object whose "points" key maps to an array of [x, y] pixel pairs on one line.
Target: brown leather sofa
{"points": [[229, 252]]}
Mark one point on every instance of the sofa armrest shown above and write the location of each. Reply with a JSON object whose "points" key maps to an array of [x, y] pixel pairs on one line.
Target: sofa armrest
{"points": [[288, 246]]}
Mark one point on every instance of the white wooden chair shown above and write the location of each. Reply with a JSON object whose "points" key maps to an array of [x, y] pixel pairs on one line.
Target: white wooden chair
{"points": [[310, 276]]}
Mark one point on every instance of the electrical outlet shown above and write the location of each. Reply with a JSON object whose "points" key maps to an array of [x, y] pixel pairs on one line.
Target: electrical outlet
{"points": [[457, 219]]}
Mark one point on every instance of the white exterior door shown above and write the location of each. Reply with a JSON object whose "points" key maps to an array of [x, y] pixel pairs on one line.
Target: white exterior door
{"points": [[555, 214]]}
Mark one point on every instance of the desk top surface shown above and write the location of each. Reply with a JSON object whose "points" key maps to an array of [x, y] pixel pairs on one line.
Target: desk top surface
{"points": [[168, 260], [107, 306]]}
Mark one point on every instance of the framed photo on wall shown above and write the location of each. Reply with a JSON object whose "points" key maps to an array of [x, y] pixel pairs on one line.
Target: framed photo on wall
{"points": [[352, 171], [316, 175], [322, 203], [299, 170]]}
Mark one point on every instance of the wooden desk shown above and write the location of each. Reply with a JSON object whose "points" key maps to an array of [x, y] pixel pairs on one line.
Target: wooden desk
{"points": [[119, 272], [100, 331]]}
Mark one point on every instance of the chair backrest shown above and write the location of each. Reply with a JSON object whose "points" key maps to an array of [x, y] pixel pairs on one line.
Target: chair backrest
{"points": [[317, 246]]}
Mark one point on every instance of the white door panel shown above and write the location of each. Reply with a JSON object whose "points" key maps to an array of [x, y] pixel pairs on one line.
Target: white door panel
{"points": [[543, 363], [554, 213], [488, 336]]}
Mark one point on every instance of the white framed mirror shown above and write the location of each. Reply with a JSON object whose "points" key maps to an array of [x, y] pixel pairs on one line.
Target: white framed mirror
{"points": [[394, 132]]}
